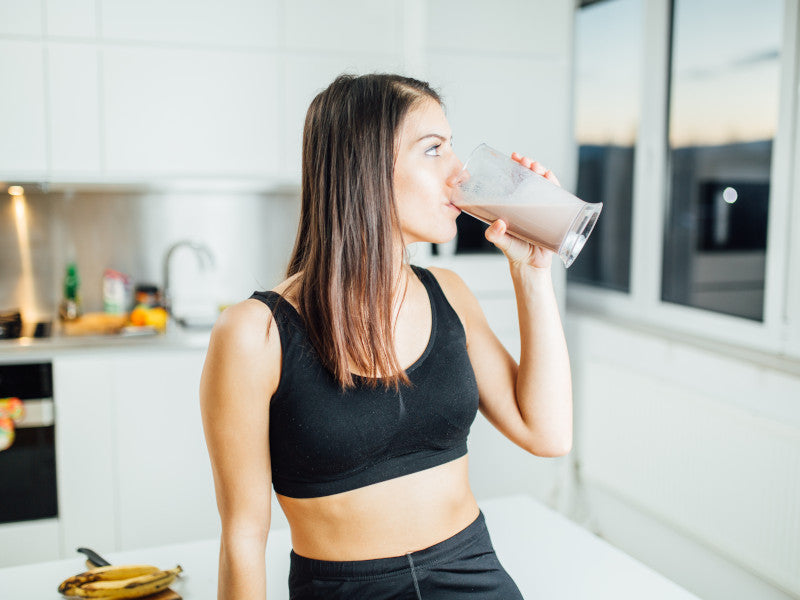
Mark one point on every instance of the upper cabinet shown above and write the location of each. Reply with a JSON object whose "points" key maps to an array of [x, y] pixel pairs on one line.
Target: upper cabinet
{"points": [[127, 92], [20, 17], [71, 18], [173, 111], [250, 24], [73, 109], [503, 70], [362, 26], [23, 148]]}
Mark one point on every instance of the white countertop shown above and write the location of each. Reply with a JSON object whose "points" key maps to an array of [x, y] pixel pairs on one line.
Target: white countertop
{"points": [[549, 557], [27, 349]]}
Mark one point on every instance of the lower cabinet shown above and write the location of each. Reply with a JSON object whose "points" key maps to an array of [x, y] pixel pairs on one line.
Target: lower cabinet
{"points": [[29, 541], [165, 491], [83, 394], [131, 456]]}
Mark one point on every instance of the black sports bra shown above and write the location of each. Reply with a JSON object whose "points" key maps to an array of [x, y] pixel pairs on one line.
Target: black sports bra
{"points": [[325, 440]]}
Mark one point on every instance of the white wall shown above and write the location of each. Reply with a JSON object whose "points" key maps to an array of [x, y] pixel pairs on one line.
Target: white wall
{"points": [[689, 457]]}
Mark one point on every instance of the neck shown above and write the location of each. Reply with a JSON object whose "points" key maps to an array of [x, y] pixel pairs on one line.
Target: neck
{"points": [[401, 278]]}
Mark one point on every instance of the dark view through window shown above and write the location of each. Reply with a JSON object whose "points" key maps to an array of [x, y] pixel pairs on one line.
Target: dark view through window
{"points": [[724, 86], [608, 53]]}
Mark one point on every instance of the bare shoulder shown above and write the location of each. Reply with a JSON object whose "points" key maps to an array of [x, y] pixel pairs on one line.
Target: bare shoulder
{"points": [[248, 325], [457, 293], [451, 282], [244, 349], [245, 326]]}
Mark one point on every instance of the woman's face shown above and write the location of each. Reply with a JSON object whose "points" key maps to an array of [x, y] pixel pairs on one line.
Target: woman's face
{"points": [[426, 171]]}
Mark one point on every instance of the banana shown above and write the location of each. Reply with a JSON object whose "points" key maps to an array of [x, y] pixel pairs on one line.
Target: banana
{"points": [[119, 589], [107, 573]]}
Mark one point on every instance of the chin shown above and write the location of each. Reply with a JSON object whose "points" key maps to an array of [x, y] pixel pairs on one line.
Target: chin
{"points": [[440, 235]]}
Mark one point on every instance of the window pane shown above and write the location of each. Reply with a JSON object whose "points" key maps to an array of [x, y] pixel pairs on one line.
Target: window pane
{"points": [[608, 49], [723, 114]]}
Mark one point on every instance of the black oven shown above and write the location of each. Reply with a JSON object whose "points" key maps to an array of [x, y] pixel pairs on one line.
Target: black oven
{"points": [[28, 466]]}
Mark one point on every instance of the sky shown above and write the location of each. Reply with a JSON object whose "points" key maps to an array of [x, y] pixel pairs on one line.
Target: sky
{"points": [[724, 74]]}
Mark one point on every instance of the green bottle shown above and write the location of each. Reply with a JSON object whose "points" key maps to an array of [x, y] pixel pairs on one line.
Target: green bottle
{"points": [[71, 304]]}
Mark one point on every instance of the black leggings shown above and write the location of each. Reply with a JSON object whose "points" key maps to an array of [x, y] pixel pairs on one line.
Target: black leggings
{"points": [[463, 566]]}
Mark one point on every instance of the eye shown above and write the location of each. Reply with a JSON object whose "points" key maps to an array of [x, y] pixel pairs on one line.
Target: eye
{"points": [[433, 150]]}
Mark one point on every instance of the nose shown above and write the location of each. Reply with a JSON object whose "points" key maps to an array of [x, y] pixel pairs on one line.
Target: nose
{"points": [[457, 174]]}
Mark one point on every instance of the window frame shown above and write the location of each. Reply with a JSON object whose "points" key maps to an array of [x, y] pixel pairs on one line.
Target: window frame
{"points": [[779, 332]]}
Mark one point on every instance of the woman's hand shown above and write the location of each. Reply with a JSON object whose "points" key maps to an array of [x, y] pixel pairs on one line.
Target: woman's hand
{"points": [[515, 249]]}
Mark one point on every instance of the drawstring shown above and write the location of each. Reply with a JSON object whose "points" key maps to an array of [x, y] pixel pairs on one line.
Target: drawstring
{"points": [[414, 575]]}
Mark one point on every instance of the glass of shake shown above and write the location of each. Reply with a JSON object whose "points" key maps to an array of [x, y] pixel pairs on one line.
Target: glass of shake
{"points": [[493, 186]]}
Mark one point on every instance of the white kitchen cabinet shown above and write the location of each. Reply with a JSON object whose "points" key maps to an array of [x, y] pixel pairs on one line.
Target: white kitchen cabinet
{"points": [[71, 18], [74, 108], [28, 541], [187, 112], [219, 23], [511, 27], [165, 490], [20, 17], [22, 114], [527, 113], [83, 393], [503, 69], [131, 459], [328, 27], [304, 77]]}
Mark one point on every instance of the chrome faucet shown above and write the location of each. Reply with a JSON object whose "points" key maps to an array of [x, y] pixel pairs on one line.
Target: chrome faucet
{"points": [[204, 258]]}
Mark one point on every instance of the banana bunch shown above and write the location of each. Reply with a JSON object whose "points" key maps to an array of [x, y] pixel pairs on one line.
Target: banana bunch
{"points": [[118, 582]]}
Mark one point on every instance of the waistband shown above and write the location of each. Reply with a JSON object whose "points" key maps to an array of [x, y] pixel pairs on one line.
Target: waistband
{"points": [[324, 569]]}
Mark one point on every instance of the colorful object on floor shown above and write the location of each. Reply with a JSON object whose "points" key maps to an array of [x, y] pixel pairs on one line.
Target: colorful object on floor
{"points": [[11, 410]]}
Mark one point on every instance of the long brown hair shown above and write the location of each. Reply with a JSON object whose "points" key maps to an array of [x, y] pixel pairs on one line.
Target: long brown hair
{"points": [[349, 223]]}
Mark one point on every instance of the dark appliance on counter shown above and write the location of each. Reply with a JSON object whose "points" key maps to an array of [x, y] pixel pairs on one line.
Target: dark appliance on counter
{"points": [[10, 325], [28, 467]]}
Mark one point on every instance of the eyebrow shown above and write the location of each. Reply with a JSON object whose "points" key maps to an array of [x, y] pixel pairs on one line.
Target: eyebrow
{"points": [[433, 135]]}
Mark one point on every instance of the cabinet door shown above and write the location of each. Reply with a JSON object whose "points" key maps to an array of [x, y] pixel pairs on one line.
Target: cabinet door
{"points": [[20, 17], [504, 71], [23, 153], [221, 23], [166, 490], [74, 110], [187, 112], [306, 75], [83, 397], [29, 542], [71, 18]]}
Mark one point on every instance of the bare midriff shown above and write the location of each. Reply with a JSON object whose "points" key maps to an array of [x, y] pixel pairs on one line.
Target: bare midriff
{"points": [[385, 519]]}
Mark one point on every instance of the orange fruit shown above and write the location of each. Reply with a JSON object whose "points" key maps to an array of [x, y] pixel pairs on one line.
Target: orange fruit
{"points": [[138, 316]]}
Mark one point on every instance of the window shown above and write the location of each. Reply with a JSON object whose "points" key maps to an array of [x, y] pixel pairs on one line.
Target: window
{"points": [[607, 97], [723, 114], [701, 225]]}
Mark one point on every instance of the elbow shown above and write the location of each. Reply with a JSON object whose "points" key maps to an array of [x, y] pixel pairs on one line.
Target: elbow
{"points": [[550, 448], [252, 533]]}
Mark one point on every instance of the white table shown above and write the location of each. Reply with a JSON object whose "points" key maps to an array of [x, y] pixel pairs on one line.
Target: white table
{"points": [[549, 557]]}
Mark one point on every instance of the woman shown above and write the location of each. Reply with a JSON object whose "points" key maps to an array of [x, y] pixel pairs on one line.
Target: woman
{"points": [[351, 386]]}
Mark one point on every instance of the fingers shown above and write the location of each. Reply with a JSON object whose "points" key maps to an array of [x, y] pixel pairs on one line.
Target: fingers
{"points": [[551, 177], [513, 248], [536, 167], [496, 235], [517, 250]]}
